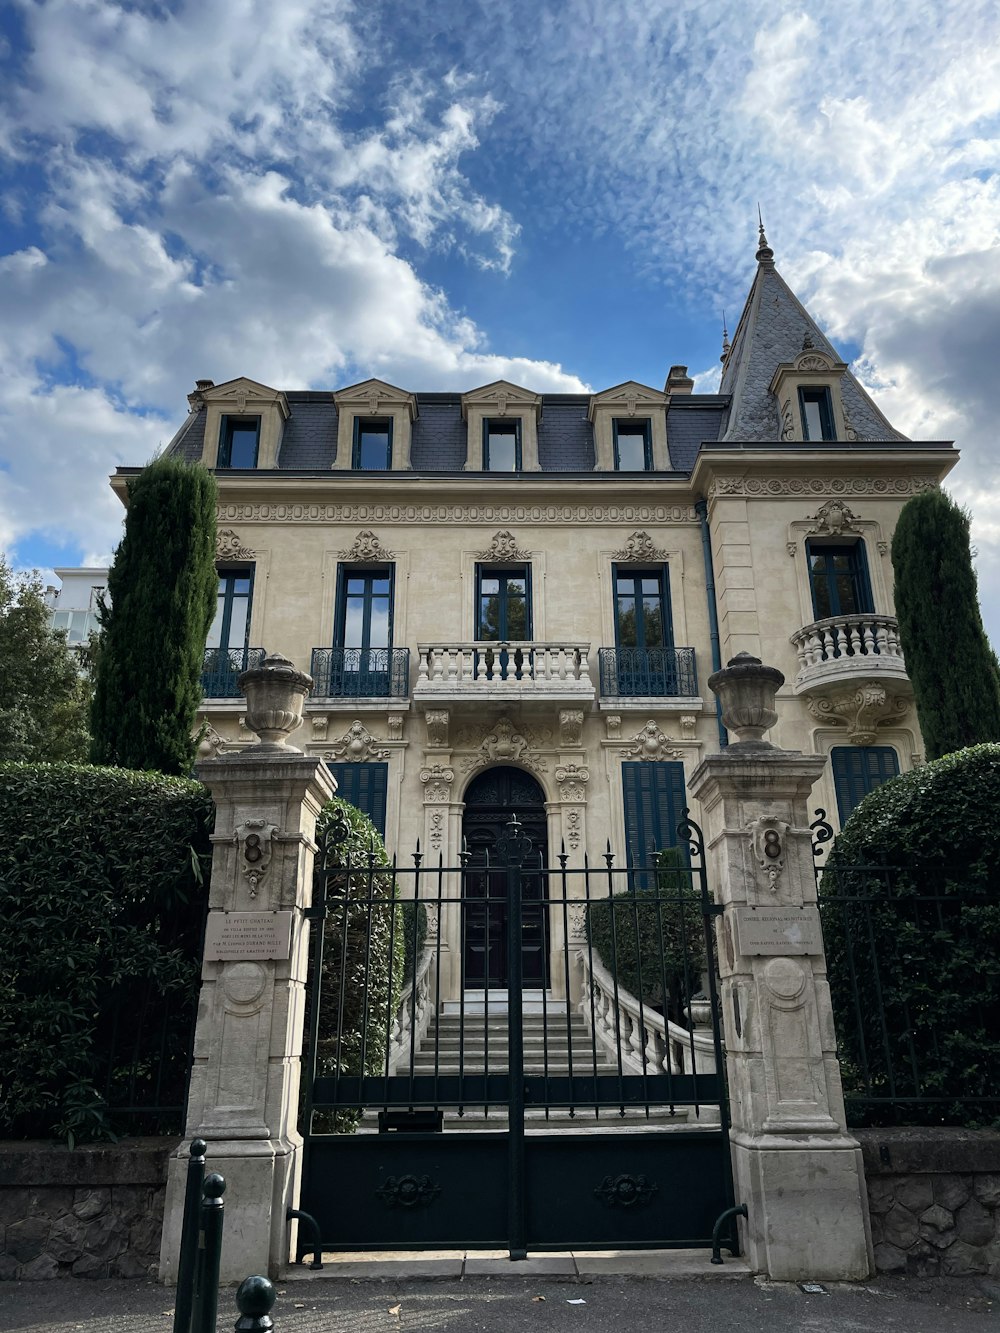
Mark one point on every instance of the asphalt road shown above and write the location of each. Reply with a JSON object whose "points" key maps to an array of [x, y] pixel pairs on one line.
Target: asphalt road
{"points": [[514, 1305]]}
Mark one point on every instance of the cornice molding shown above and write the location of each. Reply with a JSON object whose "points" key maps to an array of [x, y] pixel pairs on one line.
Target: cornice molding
{"points": [[281, 512]]}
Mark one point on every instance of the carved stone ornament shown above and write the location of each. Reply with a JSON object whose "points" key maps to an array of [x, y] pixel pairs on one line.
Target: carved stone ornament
{"points": [[437, 726], [572, 779], [358, 746], [639, 549], [366, 547], [373, 402], [229, 547], [613, 723], [571, 726], [861, 709], [787, 420], [630, 401], [689, 724], [395, 724], [767, 839], [253, 838], [437, 783], [849, 429], [503, 744], [820, 486], [487, 513], [320, 723], [503, 547], [502, 403], [241, 400], [833, 519], [813, 361], [573, 822], [577, 922], [210, 743], [651, 743], [435, 825]]}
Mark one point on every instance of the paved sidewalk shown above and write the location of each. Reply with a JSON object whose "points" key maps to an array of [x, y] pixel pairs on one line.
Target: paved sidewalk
{"points": [[514, 1303]]}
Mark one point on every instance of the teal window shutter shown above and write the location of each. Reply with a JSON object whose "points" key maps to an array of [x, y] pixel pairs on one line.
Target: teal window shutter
{"points": [[859, 769], [364, 786], [654, 796]]}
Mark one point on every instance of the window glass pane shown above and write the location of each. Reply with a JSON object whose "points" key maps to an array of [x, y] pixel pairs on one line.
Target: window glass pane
{"points": [[354, 621], [517, 618], [652, 622], [515, 586], [380, 587], [489, 618], [489, 584], [651, 586], [626, 622], [378, 631], [61, 620], [242, 443], [77, 626], [813, 420], [501, 448], [373, 446], [848, 602], [215, 633], [238, 622], [356, 586], [241, 587], [632, 447]]}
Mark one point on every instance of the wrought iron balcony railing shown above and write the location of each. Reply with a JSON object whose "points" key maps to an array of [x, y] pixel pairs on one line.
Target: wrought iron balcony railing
{"points": [[659, 673], [360, 673], [222, 669], [848, 647]]}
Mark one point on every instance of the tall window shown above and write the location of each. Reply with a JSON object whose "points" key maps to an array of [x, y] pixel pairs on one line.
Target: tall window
{"points": [[859, 769], [502, 445], [372, 445], [642, 610], [817, 414], [231, 626], [633, 445], [503, 603], [362, 631], [838, 576], [238, 442]]}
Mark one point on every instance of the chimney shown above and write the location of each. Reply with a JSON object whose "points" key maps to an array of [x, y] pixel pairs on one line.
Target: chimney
{"points": [[204, 384], [195, 399], [678, 381]]}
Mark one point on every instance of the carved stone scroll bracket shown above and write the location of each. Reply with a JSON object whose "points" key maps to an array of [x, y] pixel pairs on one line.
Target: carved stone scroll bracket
{"points": [[861, 709], [394, 722], [767, 840], [437, 784], [320, 723], [572, 780], [253, 838], [613, 723]]}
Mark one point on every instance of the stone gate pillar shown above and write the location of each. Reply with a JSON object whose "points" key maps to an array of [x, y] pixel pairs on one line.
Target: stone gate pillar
{"points": [[795, 1166], [244, 1092]]}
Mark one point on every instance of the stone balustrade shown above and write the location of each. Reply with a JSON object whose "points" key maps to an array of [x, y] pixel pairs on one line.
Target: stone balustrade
{"points": [[506, 670], [844, 648], [649, 1043], [413, 1013]]}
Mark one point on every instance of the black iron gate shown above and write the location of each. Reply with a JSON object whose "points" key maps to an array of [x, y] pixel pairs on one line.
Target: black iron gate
{"points": [[586, 1111]]}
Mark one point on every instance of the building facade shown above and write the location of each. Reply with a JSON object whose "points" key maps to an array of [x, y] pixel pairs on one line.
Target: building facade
{"points": [[512, 601]]}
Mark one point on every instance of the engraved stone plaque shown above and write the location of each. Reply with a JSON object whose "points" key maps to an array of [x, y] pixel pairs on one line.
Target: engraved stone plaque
{"points": [[250, 935], [778, 930]]}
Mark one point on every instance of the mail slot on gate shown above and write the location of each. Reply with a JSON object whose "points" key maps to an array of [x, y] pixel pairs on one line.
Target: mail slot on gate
{"points": [[410, 1122]]}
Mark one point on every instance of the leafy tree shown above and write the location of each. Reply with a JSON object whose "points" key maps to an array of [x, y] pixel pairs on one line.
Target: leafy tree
{"points": [[44, 699], [956, 679], [162, 591]]}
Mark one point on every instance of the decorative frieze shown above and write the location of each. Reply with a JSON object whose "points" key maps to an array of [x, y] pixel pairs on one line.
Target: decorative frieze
{"points": [[778, 486], [447, 514]]}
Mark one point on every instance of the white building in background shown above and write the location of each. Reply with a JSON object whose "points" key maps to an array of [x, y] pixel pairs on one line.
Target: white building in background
{"points": [[74, 604]]}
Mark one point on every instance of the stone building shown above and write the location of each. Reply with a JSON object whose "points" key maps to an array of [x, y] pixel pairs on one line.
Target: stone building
{"points": [[512, 601]]}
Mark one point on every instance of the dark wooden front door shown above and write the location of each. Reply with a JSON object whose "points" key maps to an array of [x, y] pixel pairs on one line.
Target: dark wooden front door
{"points": [[490, 801]]}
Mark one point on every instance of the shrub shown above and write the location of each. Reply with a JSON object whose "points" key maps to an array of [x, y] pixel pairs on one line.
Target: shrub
{"points": [[364, 949], [652, 937], [931, 971], [103, 878]]}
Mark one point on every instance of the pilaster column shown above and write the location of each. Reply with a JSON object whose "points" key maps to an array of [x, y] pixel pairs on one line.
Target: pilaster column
{"points": [[244, 1091], [795, 1166]]}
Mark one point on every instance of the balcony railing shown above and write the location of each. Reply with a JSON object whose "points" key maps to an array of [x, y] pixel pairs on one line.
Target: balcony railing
{"points": [[843, 647], [360, 673], [517, 669], [655, 673], [222, 669]]}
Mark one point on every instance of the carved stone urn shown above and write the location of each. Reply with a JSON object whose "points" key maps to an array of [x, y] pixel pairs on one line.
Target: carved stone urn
{"points": [[275, 692], [746, 689]]}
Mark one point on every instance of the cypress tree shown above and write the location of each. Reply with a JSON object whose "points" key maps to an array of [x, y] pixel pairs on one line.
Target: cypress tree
{"points": [[956, 679], [162, 591]]}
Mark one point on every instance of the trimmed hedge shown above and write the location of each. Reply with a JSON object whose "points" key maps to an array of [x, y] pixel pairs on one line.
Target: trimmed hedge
{"points": [[652, 937], [364, 950], [932, 831], [103, 881]]}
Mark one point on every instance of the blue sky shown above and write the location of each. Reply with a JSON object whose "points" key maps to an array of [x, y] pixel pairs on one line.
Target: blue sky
{"points": [[442, 193]]}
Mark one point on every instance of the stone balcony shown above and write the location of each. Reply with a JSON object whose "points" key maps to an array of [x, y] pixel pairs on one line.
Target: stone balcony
{"points": [[503, 672], [852, 673]]}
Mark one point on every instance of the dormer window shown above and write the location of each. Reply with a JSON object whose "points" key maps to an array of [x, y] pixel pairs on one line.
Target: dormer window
{"points": [[502, 445], [239, 440], [633, 444], [372, 444], [817, 414]]}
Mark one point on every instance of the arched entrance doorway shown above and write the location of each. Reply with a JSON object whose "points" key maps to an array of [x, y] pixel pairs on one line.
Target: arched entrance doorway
{"points": [[490, 801]]}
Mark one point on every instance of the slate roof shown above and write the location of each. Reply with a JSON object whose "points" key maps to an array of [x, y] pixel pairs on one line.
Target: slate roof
{"points": [[772, 330]]}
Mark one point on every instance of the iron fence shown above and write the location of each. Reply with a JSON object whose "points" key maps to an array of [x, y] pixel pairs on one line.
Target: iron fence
{"points": [[652, 672], [223, 667], [915, 981], [360, 673]]}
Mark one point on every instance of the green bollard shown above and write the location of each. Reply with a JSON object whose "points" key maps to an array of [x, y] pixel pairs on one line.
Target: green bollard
{"points": [[254, 1298]]}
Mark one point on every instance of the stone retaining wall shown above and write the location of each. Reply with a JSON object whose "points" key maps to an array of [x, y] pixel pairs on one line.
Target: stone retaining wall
{"points": [[94, 1212], [935, 1200]]}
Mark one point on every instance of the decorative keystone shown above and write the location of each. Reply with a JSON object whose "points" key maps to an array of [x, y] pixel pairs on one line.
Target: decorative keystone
{"points": [[746, 689], [275, 692]]}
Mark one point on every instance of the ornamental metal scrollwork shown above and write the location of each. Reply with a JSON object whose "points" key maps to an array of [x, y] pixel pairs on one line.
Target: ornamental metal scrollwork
{"points": [[408, 1191], [626, 1191]]}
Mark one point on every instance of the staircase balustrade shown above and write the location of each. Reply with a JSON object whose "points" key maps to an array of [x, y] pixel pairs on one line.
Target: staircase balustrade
{"points": [[414, 1010]]}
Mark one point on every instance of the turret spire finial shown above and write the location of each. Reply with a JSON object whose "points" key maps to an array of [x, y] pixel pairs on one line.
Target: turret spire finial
{"points": [[764, 252], [725, 340]]}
